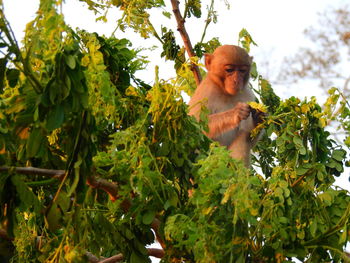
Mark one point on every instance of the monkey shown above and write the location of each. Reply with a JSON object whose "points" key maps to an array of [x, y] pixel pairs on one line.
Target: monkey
{"points": [[225, 93]]}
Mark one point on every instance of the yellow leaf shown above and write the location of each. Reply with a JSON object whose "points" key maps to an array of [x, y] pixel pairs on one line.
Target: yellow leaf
{"points": [[254, 211], [207, 211], [18, 106], [323, 122], [257, 106], [304, 108], [131, 91], [238, 241], [85, 61]]}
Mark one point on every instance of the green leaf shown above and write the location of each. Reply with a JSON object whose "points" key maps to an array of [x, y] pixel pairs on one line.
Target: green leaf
{"points": [[297, 141], [129, 235], [34, 142], [331, 164], [140, 247], [55, 118], [339, 167], [344, 235], [299, 145], [54, 217], [136, 258], [75, 182], [347, 141], [283, 184], [241, 258], [284, 234], [326, 198], [301, 234], [63, 201], [303, 168], [166, 14], [164, 149], [313, 228], [70, 61], [3, 62], [286, 192], [283, 220], [279, 191], [338, 155], [148, 217], [53, 91], [67, 87], [320, 175], [12, 76], [27, 197]]}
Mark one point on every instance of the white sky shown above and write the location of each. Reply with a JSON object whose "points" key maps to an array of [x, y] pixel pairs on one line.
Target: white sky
{"points": [[275, 25]]}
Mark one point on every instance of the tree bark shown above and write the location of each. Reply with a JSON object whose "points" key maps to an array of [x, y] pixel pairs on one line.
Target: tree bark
{"points": [[186, 39]]}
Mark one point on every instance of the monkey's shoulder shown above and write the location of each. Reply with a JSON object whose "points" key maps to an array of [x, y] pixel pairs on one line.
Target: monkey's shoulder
{"points": [[202, 94]]}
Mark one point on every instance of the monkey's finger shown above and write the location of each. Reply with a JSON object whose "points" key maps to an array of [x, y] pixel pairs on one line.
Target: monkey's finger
{"points": [[244, 114], [245, 111]]}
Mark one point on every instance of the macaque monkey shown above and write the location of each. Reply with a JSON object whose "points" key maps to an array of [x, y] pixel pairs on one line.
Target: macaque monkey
{"points": [[225, 93]]}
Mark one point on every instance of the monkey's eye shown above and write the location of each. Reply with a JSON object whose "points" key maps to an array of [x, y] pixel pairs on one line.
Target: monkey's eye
{"points": [[242, 70], [229, 70]]}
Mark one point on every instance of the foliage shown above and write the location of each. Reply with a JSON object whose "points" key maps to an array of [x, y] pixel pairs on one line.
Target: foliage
{"points": [[70, 103]]}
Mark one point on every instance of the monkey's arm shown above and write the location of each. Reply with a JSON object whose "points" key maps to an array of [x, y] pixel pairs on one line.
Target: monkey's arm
{"points": [[227, 120]]}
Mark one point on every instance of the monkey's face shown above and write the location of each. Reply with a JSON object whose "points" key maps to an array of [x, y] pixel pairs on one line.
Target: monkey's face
{"points": [[229, 67], [236, 78]]}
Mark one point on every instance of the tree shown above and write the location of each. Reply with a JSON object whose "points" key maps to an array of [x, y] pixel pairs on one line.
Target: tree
{"points": [[326, 58], [92, 159]]}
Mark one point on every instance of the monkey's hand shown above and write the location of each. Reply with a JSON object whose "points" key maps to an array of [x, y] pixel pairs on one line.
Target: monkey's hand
{"points": [[259, 112], [222, 122], [241, 112], [258, 116]]}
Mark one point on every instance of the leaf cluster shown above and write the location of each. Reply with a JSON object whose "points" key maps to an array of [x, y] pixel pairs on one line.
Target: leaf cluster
{"points": [[78, 111]]}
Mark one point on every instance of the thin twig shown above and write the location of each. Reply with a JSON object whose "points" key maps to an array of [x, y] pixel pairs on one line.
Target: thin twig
{"points": [[208, 20], [186, 39]]}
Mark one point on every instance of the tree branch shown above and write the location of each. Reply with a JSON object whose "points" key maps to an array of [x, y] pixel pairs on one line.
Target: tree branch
{"points": [[186, 39], [111, 188], [153, 252], [113, 259], [58, 174]]}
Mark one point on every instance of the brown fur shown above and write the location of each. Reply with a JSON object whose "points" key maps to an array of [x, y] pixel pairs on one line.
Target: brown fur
{"points": [[225, 93]]}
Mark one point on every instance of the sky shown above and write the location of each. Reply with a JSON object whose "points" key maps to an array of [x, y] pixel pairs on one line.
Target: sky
{"points": [[275, 25]]}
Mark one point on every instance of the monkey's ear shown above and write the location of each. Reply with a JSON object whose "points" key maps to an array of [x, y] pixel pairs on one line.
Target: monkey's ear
{"points": [[208, 58], [251, 59]]}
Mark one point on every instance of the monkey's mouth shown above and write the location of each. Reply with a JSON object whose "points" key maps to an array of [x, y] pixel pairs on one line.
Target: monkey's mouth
{"points": [[233, 90]]}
